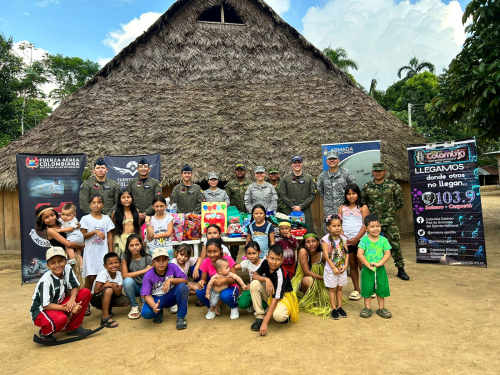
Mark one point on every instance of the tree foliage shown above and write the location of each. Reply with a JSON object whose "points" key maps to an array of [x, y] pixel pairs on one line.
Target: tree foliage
{"points": [[416, 67], [340, 58], [469, 90]]}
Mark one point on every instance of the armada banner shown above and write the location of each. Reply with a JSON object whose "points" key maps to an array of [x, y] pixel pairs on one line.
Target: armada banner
{"points": [[44, 179], [357, 157], [446, 203], [122, 168]]}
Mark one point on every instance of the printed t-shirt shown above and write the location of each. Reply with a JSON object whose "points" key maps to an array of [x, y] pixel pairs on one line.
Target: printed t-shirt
{"points": [[152, 283], [336, 252], [374, 251], [207, 267], [95, 248], [279, 278], [161, 226]]}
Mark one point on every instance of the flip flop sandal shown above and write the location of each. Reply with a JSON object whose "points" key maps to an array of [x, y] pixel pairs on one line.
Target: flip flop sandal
{"points": [[108, 322], [354, 296], [366, 313], [87, 312], [134, 313], [384, 313], [199, 304]]}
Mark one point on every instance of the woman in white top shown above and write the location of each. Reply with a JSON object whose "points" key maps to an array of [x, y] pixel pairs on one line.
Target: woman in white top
{"points": [[160, 227]]}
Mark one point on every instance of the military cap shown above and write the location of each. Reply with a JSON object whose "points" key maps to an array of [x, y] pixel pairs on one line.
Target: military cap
{"points": [[186, 168], [143, 161], [260, 169], [213, 175], [99, 161], [240, 166], [273, 169], [297, 158], [332, 155], [378, 167]]}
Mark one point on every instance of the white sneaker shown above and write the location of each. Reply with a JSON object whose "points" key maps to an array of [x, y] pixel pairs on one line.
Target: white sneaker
{"points": [[235, 313], [173, 309], [210, 315], [250, 310]]}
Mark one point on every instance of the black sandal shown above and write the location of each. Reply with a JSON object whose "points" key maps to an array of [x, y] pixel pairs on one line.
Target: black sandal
{"points": [[108, 322], [199, 304]]}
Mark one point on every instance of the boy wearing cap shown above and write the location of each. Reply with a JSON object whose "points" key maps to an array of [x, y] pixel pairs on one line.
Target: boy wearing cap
{"points": [[331, 185], [383, 198], [261, 192], [99, 184], [274, 179], [186, 195], [164, 286], [298, 191], [236, 189], [214, 194], [57, 299], [143, 189]]}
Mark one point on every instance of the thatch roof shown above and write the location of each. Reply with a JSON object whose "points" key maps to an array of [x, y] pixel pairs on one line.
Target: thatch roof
{"points": [[213, 95]]}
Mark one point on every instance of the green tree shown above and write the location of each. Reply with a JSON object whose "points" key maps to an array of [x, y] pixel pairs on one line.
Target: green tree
{"points": [[469, 90], [68, 73], [416, 67], [340, 58]]}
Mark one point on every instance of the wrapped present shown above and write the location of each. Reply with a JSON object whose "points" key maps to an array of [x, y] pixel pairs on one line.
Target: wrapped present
{"points": [[214, 213], [178, 234], [234, 228], [192, 227]]}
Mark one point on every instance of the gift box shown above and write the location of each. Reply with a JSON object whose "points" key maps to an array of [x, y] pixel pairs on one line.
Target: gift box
{"points": [[192, 227], [178, 234]]}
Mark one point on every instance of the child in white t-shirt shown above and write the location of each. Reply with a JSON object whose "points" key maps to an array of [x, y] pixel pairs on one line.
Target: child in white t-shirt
{"points": [[70, 226], [250, 264], [159, 228]]}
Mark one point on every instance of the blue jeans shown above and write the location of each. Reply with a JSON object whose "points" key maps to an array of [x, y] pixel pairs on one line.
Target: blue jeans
{"points": [[228, 296], [132, 290], [178, 295]]}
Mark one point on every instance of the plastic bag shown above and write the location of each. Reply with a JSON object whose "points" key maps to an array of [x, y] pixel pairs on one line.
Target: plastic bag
{"points": [[192, 227], [178, 234]]}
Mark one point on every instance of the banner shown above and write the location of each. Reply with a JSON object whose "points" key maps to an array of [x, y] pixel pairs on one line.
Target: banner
{"points": [[124, 167], [44, 179], [214, 213], [446, 203], [357, 157]]}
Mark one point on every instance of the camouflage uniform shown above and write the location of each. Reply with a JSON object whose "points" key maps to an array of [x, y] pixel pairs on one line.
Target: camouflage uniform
{"points": [[384, 200], [261, 194], [188, 198], [218, 195], [331, 188], [236, 193], [108, 189], [299, 191], [144, 192]]}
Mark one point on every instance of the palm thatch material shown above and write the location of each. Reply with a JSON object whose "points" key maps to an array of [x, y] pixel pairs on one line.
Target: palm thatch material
{"points": [[212, 95]]}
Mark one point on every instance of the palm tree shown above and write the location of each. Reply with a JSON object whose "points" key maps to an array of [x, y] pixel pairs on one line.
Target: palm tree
{"points": [[416, 67], [340, 58]]}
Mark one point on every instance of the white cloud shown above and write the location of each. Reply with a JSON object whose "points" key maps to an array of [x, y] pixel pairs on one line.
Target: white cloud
{"points": [[26, 13], [279, 6], [44, 3], [382, 36], [119, 39], [29, 56], [103, 60]]}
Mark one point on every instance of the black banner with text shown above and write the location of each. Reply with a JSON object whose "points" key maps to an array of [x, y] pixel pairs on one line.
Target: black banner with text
{"points": [[446, 203]]}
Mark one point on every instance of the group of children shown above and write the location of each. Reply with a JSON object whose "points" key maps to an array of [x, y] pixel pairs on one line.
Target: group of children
{"points": [[278, 288]]}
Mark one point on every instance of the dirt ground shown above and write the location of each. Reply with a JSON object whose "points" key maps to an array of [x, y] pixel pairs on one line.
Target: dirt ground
{"points": [[445, 322]]}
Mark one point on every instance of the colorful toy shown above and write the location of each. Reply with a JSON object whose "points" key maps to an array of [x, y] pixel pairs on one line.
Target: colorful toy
{"points": [[178, 234], [192, 227], [214, 213]]}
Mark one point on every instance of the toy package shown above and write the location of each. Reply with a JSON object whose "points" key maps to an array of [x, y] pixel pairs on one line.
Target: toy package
{"points": [[178, 234], [192, 227], [214, 213], [247, 219]]}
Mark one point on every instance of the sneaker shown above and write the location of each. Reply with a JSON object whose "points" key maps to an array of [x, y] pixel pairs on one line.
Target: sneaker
{"points": [[181, 324], [235, 313], [256, 325], [159, 318], [210, 315], [341, 312], [80, 331], [355, 296], [250, 310], [402, 274], [374, 295], [335, 314], [48, 338], [285, 321], [173, 309]]}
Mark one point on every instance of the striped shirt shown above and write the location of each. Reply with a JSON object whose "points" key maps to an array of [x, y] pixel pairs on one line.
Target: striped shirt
{"points": [[51, 289], [279, 278]]}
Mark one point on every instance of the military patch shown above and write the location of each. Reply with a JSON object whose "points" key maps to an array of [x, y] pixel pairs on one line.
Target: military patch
{"points": [[302, 182], [159, 193], [97, 186], [294, 180], [106, 187], [190, 192], [183, 190], [147, 187], [138, 184]]}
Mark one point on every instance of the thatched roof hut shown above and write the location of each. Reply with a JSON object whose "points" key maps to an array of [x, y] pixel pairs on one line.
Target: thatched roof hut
{"points": [[214, 85]]}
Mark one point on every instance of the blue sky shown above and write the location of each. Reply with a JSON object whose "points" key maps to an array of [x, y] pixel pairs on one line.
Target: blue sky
{"points": [[379, 34]]}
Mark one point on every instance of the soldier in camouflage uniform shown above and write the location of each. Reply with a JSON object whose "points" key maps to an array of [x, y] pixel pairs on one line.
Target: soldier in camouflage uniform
{"points": [[298, 191], [274, 179], [143, 189], [261, 192], [236, 189], [383, 198], [331, 185], [186, 195], [99, 184], [214, 194]]}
